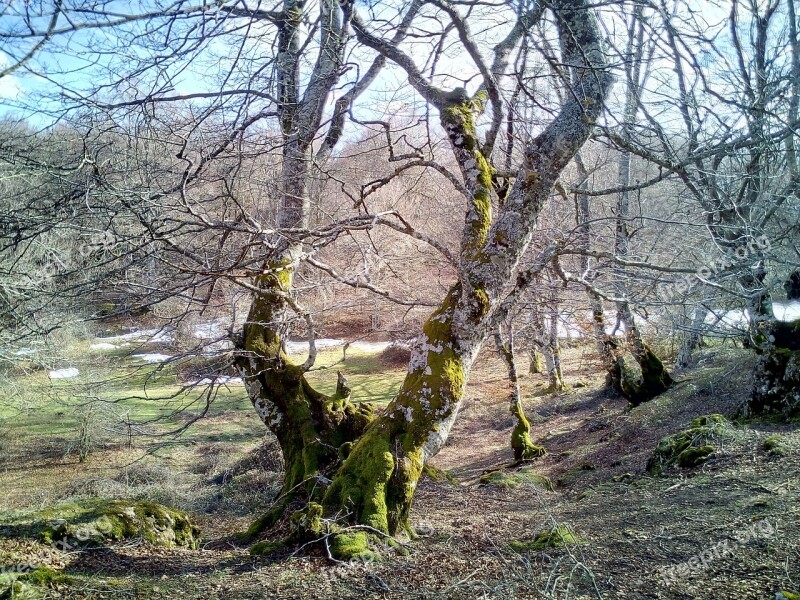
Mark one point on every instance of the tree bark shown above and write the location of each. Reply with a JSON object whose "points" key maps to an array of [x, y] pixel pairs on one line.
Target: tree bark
{"points": [[384, 457], [521, 442]]}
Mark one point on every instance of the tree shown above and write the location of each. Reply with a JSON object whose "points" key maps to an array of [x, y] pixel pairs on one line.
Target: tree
{"points": [[342, 457], [376, 481]]}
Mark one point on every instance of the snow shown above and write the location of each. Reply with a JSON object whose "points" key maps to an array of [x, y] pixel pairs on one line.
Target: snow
{"points": [[152, 357], [786, 310], [103, 346], [221, 380], [163, 336], [371, 346], [209, 330], [25, 352], [738, 318], [321, 344], [67, 373]]}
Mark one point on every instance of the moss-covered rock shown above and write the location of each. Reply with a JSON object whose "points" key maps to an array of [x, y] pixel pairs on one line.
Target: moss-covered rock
{"points": [[557, 537], [776, 445], [45, 576], [786, 595], [510, 479], [103, 521], [691, 447]]}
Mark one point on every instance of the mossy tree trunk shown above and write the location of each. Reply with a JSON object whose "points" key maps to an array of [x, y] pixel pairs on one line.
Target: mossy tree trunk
{"points": [[536, 363], [521, 442], [776, 384], [383, 456], [655, 379]]}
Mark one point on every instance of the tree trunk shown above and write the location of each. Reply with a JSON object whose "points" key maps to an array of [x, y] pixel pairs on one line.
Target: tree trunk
{"points": [[692, 339], [521, 443], [384, 456], [655, 379], [776, 385]]}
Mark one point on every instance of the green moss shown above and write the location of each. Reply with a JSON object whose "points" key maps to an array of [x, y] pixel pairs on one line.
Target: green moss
{"points": [[711, 420], [694, 456], [361, 483], [651, 380], [786, 595], [536, 363], [557, 537], [268, 547], [775, 445], [307, 523], [691, 447], [513, 479], [458, 120], [350, 545], [521, 442], [438, 474], [100, 521], [45, 576], [18, 591], [776, 389]]}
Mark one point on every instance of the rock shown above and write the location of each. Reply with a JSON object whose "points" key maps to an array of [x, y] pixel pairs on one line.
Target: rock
{"points": [[691, 447], [104, 521]]}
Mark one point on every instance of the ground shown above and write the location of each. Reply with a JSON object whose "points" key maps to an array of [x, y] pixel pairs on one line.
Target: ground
{"points": [[726, 529]]}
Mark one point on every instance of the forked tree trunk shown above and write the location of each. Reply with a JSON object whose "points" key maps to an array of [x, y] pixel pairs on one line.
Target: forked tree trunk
{"points": [[383, 457]]}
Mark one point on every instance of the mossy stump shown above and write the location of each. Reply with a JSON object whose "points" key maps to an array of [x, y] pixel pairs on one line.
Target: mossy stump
{"points": [[776, 381], [689, 448], [557, 537]]}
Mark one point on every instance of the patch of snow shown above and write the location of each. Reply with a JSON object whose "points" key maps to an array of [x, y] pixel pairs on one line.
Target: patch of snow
{"points": [[152, 357], [67, 373], [163, 335], [321, 344], [222, 380], [738, 318], [102, 346], [786, 310], [209, 330], [25, 352], [371, 346]]}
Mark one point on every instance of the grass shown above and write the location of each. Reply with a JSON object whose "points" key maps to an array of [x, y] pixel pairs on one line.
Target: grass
{"points": [[223, 472]]}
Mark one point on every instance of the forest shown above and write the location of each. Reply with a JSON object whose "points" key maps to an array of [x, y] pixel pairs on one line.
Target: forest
{"points": [[400, 299]]}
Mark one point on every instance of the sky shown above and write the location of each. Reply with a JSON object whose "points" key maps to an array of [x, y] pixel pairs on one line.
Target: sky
{"points": [[72, 62]]}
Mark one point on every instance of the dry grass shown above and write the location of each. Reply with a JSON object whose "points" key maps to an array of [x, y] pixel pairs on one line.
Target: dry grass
{"points": [[633, 525]]}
